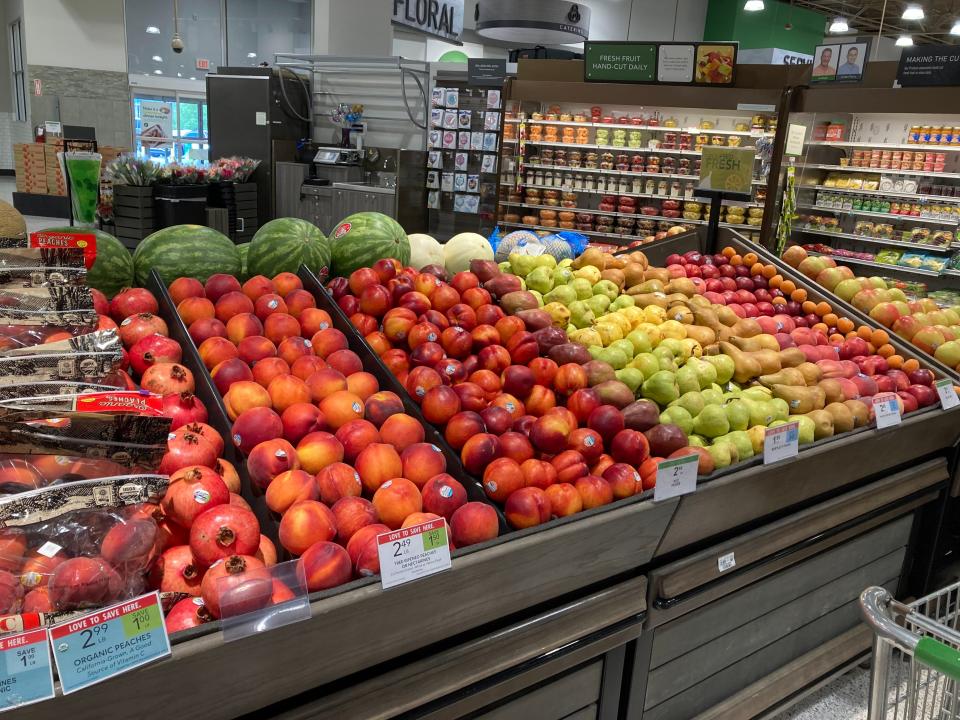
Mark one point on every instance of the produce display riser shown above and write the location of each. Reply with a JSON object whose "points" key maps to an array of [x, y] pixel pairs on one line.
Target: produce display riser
{"points": [[658, 251]]}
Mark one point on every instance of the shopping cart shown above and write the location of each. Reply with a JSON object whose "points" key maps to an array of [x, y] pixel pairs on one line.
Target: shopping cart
{"points": [[916, 655]]}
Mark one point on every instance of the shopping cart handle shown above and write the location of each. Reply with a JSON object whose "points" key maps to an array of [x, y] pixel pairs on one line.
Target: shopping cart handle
{"points": [[938, 656], [875, 606]]}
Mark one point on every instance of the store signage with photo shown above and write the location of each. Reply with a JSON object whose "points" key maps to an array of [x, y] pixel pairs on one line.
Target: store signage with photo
{"points": [[442, 18], [929, 65], [661, 63], [840, 62], [156, 123]]}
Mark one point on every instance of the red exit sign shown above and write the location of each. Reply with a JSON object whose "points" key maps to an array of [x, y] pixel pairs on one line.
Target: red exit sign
{"points": [[203, 64]]}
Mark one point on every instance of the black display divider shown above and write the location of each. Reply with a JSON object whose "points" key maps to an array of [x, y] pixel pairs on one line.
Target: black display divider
{"points": [[658, 251]]}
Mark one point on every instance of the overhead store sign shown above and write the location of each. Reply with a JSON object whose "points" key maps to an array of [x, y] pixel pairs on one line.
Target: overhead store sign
{"points": [[663, 63], [929, 65], [442, 18]]}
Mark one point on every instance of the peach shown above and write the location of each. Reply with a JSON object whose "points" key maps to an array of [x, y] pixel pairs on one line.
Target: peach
{"points": [[257, 286], [482, 336], [184, 287], [351, 514], [540, 401], [13, 547], [395, 499], [299, 300], [346, 361], [203, 329], [488, 380], [363, 549], [376, 464], [195, 308], [495, 358], [527, 507], [401, 431], [269, 369], [295, 348], [502, 477], [587, 442], [549, 433], [375, 300], [544, 371], [338, 480], [328, 341], [538, 473], [564, 499], [231, 305], [381, 405], [624, 480], [304, 367], [287, 282], [267, 552], [569, 466], [290, 487], [456, 342], [355, 436], [516, 446], [606, 420], [461, 427], [420, 380], [244, 395], [269, 304], [428, 353], [423, 332], [570, 377], [474, 522], [600, 465], [243, 325], [312, 320], [316, 450], [378, 342], [422, 461], [489, 314], [396, 361], [254, 348], [417, 302], [305, 523], [594, 491], [287, 390], [440, 404], [325, 565], [630, 447], [269, 459], [219, 285], [397, 327], [476, 298], [280, 326], [583, 402], [442, 495], [419, 518], [362, 277], [511, 404], [341, 407], [472, 396], [325, 382], [479, 451], [363, 385], [215, 350], [444, 298], [256, 426]]}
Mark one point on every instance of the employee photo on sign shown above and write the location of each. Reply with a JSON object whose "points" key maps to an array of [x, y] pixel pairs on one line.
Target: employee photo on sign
{"points": [[852, 58], [825, 62]]}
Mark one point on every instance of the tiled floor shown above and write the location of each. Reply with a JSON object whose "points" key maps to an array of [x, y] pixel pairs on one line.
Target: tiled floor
{"points": [[34, 222], [843, 699]]}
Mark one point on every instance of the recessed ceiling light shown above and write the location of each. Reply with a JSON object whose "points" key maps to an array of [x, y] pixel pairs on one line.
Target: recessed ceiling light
{"points": [[192, 77], [157, 58], [153, 30], [753, 5], [955, 30], [913, 12], [904, 41], [179, 74], [251, 55], [839, 25], [158, 72]]}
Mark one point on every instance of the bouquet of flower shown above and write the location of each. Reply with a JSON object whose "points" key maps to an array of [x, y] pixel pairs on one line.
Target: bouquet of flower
{"points": [[182, 174], [346, 115], [232, 169], [129, 170]]}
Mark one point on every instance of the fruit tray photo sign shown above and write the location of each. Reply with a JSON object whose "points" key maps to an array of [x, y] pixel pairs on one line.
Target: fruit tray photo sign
{"points": [[669, 63]]}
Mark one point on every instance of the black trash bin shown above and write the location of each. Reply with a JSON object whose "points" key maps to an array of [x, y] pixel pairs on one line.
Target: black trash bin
{"points": [[180, 205]]}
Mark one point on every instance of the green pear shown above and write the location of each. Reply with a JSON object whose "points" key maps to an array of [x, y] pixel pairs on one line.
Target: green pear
{"points": [[738, 414], [722, 457], [758, 434], [675, 346], [563, 294], [647, 363], [623, 301], [696, 440], [692, 402], [661, 387], [679, 417], [734, 453], [711, 396], [724, 365], [583, 288], [540, 279], [807, 428], [581, 316], [781, 409], [761, 411], [640, 340], [757, 392], [538, 296], [545, 260], [665, 357], [506, 267], [522, 265], [565, 263], [615, 357], [595, 351], [687, 379], [742, 441], [598, 303], [706, 373], [631, 377], [624, 346], [711, 422], [562, 276], [607, 288]]}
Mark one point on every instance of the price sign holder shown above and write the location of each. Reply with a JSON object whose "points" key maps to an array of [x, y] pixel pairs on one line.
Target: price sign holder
{"points": [[886, 410], [781, 443], [676, 477], [947, 393], [109, 642], [26, 672], [726, 562], [413, 553]]}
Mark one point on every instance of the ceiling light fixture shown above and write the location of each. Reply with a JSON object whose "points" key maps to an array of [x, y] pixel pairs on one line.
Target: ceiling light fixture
{"points": [[753, 5], [251, 55], [157, 58], [839, 25], [904, 41], [158, 72], [153, 30], [913, 12], [955, 30]]}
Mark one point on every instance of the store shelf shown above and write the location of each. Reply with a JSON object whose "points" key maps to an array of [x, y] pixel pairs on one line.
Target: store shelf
{"points": [[951, 272], [624, 173], [607, 213], [879, 171], [888, 216], [878, 241], [879, 266], [620, 148], [886, 146], [592, 233], [649, 128], [883, 193], [652, 196]]}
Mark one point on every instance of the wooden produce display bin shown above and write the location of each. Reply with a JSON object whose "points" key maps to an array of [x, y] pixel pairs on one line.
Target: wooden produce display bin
{"points": [[133, 213]]}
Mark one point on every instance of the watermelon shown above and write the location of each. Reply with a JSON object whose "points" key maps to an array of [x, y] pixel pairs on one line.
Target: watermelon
{"points": [[243, 249], [283, 244], [185, 251], [113, 269], [363, 238]]}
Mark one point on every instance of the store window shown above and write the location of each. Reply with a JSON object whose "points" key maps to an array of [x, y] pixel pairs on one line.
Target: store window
{"points": [[150, 29], [171, 127], [16, 64], [257, 29]]}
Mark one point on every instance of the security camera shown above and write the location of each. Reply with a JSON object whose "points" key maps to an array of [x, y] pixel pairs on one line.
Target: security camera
{"points": [[176, 44]]}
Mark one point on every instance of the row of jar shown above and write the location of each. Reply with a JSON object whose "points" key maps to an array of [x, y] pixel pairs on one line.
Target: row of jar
{"points": [[622, 162], [614, 184]]}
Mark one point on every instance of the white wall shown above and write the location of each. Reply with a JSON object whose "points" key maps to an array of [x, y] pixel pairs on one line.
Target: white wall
{"points": [[85, 34], [661, 20]]}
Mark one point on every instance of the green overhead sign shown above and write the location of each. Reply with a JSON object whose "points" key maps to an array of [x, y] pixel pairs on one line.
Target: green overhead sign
{"points": [[614, 62]]}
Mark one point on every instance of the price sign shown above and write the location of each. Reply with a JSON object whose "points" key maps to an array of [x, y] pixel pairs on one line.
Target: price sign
{"points": [[726, 562], [413, 553], [26, 673], [676, 477], [886, 410], [947, 393], [781, 443], [109, 642]]}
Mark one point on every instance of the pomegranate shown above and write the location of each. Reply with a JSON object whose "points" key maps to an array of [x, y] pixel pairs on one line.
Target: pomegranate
{"points": [[192, 491], [205, 431], [132, 301], [11, 593], [239, 584], [136, 327], [38, 601], [165, 378], [84, 582], [222, 531], [154, 349], [188, 613], [101, 306], [186, 450], [124, 359], [183, 408], [177, 571], [130, 546]]}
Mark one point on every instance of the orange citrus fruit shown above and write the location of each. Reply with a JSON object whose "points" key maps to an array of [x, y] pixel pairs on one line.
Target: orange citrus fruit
{"points": [[728, 252], [750, 258], [844, 325], [769, 271], [779, 301], [798, 295], [775, 281], [895, 361], [787, 287], [880, 337], [886, 351], [736, 260], [865, 332], [823, 308], [909, 365], [831, 319]]}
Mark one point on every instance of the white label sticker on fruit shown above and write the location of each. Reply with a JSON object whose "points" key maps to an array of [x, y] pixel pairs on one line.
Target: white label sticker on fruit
{"points": [[886, 410], [947, 393], [413, 553], [781, 443], [725, 562], [676, 477]]}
